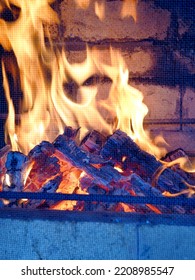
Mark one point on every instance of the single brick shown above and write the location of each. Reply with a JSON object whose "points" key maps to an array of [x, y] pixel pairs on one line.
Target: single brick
{"points": [[152, 22]]}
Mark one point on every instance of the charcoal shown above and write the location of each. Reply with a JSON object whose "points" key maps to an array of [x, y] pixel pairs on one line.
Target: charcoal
{"points": [[138, 184], [87, 183], [99, 159], [45, 148], [123, 192], [129, 188], [14, 176], [1, 204], [95, 189], [141, 188], [90, 206], [49, 187], [67, 150], [16, 164], [15, 161], [71, 133], [178, 209], [44, 165], [4, 151], [93, 142], [3, 156], [119, 145], [132, 187], [174, 155]]}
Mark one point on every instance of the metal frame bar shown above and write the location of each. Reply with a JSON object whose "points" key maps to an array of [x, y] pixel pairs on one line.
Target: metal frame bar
{"points": [[103, 216], [182, 201]]}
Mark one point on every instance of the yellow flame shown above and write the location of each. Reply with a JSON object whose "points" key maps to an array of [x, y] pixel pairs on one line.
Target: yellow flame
{"points": [[7, 180], [83, 4], [100, 10], [10, 122], [47, 106], [183, 162], [118, 169], [189, 192], [27, 171], [129, 8]]}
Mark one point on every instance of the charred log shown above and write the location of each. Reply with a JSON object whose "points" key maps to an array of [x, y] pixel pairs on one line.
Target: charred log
{"points": [[180, 154], [67, 150], [49, 187], [45, 166], [93, 142], [120, 146], [3, 156], [15, 172]]}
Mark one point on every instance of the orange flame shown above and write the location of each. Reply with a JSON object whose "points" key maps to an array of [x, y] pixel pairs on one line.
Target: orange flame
{"points": [[100, 10], [83, 4], [129, 8], [46, 105]]}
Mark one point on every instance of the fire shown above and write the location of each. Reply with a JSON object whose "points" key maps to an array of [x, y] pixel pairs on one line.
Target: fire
{"points": [[129, 8], [100, 10], [83, 4], [46, 106]]}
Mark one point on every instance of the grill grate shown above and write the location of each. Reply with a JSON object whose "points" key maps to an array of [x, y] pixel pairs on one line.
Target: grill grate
{"points": [[182, 201]]}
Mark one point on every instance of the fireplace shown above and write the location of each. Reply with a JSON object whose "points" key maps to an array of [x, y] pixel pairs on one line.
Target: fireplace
{"points": [[156, 41]]}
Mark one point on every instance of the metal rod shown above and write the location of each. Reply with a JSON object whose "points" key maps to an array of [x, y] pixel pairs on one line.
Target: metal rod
{"points": [[183, 201], [146, 121]]}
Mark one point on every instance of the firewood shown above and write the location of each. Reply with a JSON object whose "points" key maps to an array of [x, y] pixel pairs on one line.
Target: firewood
{"points": [[71, 133], [4, 151], [49, 187], [14, 175], [67, 150], [98, 158], [86, 183], [3, 156], [135, 186], [93, 142], [15, 172], [44, 165], [142, 188], [173, 156], [41, 151], [120, 146], [1, 204], [124, 191]]}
